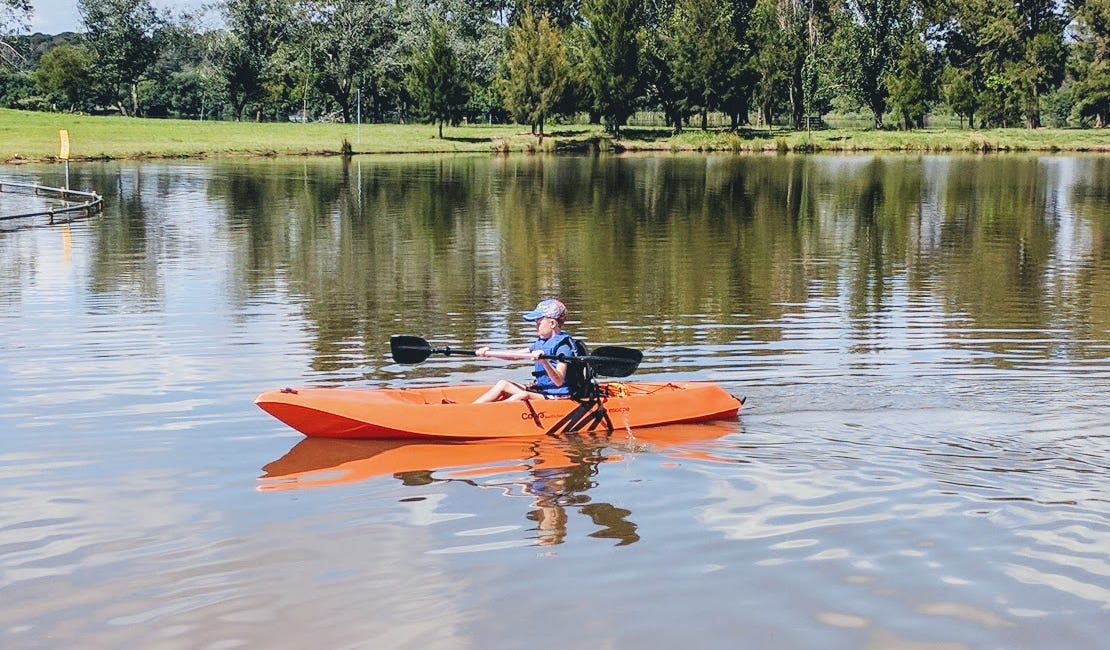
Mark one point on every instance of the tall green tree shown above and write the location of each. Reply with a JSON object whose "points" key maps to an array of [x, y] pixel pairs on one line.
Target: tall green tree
{"points": [[964, 79], [703, 54], [773, 61], [437, 82], [347, 40], [958, 91], [479, 40], [818, 84], [612, 58], [1043, 58], [812, 26], [181, 81], [741, 77], [660, 85], [1090, 63], [65, 74], [242, 54], [537, 72], [869, 36], [913, 83], [124, 37], [1014, 51], [790, 34]]}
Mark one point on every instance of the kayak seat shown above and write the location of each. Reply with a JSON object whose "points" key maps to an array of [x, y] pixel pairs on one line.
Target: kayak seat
{"points": [[581, 377]]}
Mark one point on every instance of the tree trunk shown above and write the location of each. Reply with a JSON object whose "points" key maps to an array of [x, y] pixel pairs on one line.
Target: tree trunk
{"points": [[237, 105], [742, 112], [135, 98], [1033, 117], [796, 100]]}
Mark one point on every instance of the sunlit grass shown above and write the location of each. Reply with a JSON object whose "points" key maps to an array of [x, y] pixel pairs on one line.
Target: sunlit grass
{"points": [[919, 140], [34, 136]]}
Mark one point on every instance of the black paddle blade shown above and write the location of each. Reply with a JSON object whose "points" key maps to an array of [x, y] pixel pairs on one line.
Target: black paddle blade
{"points": [[614, 361], [409, 349]]}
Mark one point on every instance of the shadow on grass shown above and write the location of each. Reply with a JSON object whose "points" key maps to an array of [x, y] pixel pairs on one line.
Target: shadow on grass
{"points": [[567, 133], [654, 134], [557, 133], [448, 138], [646, 134]]}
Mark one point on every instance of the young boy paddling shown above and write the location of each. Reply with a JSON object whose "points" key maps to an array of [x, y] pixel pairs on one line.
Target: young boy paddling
{"points": [[550, 375]]}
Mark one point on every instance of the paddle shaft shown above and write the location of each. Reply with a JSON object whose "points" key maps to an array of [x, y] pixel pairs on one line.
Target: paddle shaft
{"points": [[509, 355], [494, 354], [610, 361]]}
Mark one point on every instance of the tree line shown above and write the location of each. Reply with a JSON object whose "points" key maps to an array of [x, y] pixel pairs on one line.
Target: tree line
{"points": [[993, 63]]}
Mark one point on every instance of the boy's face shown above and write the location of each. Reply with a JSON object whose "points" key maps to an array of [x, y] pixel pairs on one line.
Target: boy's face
{"points": [[545, 327]]}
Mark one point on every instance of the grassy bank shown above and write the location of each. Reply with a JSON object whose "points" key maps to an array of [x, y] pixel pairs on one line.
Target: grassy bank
{"points": [[28, 136]]}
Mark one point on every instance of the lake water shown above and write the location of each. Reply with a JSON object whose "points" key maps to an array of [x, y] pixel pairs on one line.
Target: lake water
{"points": [[922, 462]]}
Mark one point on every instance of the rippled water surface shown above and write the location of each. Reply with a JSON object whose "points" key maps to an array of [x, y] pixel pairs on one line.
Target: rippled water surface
{"points": [[924, 344]]}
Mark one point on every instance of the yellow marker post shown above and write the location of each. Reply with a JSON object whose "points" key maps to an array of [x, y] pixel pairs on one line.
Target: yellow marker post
{"points": [[63, 151]]}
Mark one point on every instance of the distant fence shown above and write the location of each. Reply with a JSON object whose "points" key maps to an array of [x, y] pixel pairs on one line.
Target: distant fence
{"points": [[76, 201]]}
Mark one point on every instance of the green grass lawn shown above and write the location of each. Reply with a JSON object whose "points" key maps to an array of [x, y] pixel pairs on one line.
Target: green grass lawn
{"points": [[30, 136]]}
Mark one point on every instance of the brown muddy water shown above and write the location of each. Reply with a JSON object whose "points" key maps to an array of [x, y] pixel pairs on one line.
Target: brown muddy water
{"points": [[923, 341]]}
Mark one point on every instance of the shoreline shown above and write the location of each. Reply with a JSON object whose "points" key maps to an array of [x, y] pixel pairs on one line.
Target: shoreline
{"points": [[29, 137]]}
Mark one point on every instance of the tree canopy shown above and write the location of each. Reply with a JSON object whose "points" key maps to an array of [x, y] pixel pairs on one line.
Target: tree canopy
{"points": [[990, 62], [437, 80], [537, 71], [124, 36]]}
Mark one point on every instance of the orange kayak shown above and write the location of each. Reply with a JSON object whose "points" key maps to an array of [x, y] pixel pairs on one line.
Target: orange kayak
{"points": [[446, 412]]}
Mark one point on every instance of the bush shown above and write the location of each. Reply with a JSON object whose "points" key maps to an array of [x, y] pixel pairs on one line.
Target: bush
{"points": [[14, 87], [1058, 107], [34, 103]]}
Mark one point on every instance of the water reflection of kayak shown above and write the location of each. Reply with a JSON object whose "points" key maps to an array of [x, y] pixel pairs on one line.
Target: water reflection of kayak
{"points": [[445, 412], [316, 462]]}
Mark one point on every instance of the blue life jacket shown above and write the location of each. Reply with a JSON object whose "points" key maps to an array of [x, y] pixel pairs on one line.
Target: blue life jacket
{"points": [[561, 343]]}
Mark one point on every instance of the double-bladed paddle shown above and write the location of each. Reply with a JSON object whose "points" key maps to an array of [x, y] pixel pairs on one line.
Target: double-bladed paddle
{"points": [[607, 360]]}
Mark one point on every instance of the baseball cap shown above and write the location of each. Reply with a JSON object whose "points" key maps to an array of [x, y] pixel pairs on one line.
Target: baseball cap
{"points": [[549, 308]]}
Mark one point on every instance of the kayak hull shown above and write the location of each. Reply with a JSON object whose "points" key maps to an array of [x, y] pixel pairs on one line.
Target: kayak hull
{"points": [[446, 412]]}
